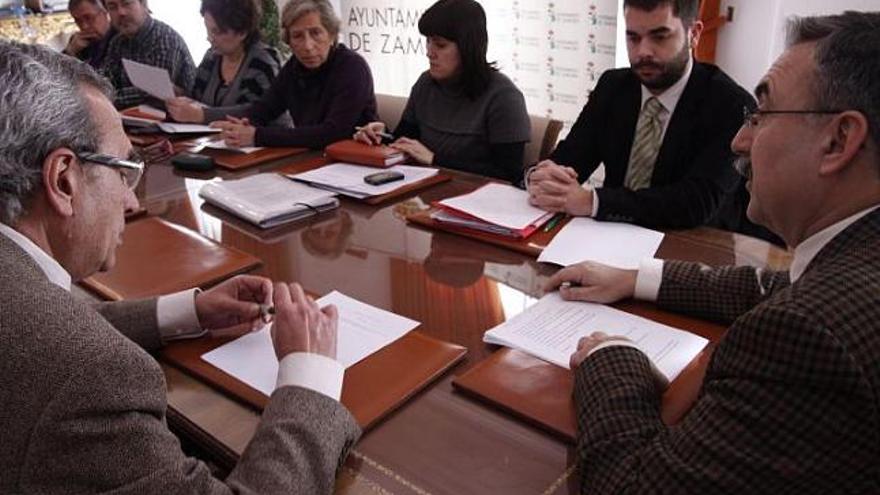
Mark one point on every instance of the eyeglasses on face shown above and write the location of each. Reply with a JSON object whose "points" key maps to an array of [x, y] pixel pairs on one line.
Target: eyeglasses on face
{"points": [[130, 169], [752, 117]]}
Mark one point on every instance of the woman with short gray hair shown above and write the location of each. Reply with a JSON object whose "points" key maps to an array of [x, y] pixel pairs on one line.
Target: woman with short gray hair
{"points": [[294, 9], [326, 87]]}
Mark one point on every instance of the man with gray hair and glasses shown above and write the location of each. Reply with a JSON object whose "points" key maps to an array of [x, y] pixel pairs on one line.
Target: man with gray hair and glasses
{"points": [[83, 404], [789, 402]]}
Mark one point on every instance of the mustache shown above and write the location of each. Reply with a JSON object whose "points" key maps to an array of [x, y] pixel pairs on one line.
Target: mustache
{"points": [[743, 165], [646, 64]]}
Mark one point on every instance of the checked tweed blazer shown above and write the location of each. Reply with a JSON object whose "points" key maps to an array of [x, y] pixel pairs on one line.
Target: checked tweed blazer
{"points": [[82, 405], [791, 398]]}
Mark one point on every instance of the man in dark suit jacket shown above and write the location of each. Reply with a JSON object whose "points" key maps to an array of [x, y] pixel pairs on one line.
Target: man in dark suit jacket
{"points": [[789, 402], [701, 111], [83, 403]]}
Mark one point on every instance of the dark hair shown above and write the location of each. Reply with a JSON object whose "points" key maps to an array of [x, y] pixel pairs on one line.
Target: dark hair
{"points": [[463, 22], [239, 16], [72, 4], [847, 62], [686, 10]]}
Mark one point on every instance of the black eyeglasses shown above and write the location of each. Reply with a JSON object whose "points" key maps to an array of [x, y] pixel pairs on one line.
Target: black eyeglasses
{"points": [[751, 118], [131, 170]]}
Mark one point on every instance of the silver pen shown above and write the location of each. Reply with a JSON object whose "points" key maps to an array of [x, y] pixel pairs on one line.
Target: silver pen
{"points": [[381, 134], [266, 312]]}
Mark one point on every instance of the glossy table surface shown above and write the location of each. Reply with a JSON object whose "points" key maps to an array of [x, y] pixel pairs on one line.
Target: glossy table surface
{"points": [[440, 442]]}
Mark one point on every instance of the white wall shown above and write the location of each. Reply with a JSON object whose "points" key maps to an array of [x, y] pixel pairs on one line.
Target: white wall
{"points": [[748, 45], [184, 17]]}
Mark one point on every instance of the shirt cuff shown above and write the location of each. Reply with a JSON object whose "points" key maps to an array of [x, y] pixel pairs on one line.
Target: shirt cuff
{"points": [[527, 175], [176, 315], [595, 204], [648, 279], [312, 371], [611, 343]]}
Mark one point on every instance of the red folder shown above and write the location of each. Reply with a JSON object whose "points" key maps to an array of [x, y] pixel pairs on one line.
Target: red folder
{"points": [[351, 151], [490, 228]]}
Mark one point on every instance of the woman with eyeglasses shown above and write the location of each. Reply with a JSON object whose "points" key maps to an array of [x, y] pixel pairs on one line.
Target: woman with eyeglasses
{"points": [[462, 113], [238, 69], [325, 87]]}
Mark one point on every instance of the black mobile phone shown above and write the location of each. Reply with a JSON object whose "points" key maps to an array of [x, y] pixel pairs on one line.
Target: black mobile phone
{"points": [[380, 178]]}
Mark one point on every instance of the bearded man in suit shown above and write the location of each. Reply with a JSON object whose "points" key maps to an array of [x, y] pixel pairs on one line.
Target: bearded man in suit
{"points": [[662, 128], [789, 402], [83, 402]]}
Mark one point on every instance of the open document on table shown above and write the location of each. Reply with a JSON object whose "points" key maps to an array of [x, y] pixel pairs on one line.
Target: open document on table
{"points": [[348, 179], [621, 245], [551, 328], [362, 330]]}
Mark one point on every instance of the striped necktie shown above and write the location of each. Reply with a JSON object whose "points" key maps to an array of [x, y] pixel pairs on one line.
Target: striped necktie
{"points": [[646, 146]]}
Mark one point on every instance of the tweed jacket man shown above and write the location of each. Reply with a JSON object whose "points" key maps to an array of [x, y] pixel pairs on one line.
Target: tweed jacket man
{"points": [[83, 405], [790, 399]]}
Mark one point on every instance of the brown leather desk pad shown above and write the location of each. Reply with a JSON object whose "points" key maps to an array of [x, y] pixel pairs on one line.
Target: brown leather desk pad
{"points": [[307, 165], [541, 393], [372, 388], [530, 246], [237, 161], [158, 257]]}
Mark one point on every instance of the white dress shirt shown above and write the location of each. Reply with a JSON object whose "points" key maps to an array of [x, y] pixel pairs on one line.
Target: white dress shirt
{"points": [[177, 319]]}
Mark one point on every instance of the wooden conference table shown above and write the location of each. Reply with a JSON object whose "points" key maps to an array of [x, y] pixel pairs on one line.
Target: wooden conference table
{"points": [[439, 442]]}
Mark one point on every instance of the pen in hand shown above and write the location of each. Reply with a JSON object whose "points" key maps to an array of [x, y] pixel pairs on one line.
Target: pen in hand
{"points": [[381, 134], [266, 312]]}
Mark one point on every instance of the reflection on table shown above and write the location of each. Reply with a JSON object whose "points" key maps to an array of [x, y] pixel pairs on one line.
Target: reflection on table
{"points": [[440, 442]]}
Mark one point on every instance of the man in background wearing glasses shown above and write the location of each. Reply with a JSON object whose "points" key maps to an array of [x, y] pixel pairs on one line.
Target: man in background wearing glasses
{"points": [[789, 402], [83, 404]]}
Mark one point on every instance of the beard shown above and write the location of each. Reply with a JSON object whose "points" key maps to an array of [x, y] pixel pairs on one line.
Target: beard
{"points": [[668, 73]]}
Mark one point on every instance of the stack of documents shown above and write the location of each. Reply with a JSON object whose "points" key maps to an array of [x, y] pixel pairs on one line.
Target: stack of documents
{"points": [[621, 245], [348, 179], [494, 208], [551, 328], [362, 330], [267, 200]]}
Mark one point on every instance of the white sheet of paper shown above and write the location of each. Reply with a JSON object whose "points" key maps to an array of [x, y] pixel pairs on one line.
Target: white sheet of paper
{"points": [[220, 144], [621, 245], [499, 204], [173, 128], [154, 81], [349, 178], [550, 329], [363, 330]]}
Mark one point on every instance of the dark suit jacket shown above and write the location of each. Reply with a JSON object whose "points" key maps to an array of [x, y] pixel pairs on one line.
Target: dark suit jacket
{"points": [[694, 166], [83, 405], [791, 398]]}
